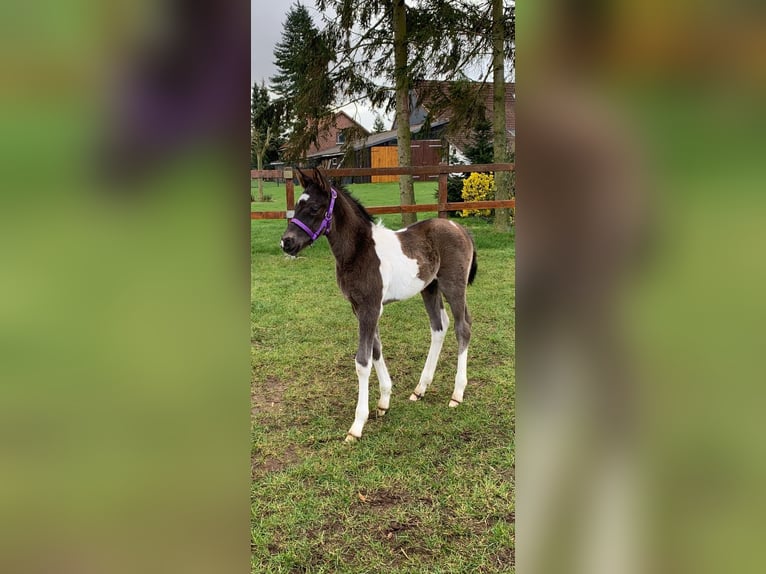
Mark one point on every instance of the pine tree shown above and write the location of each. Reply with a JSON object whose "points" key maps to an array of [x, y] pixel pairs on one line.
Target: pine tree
{"points": [[371, 40], [302, 82], [455, 35], [481, 148], [403, 43], [290, 55], [378, 126]]}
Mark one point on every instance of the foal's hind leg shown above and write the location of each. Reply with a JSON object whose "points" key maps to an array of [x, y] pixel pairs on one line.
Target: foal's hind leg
{"points": [[384, 379], [457, 303], [439, 323]]}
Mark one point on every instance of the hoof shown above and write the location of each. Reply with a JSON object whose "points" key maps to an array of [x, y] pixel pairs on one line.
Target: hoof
{"points": [[415, 397], [351, 438], [453, 403], [381, 412]]}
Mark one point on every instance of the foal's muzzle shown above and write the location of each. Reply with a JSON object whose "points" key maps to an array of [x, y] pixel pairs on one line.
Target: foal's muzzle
{"points": [[291, 243]]}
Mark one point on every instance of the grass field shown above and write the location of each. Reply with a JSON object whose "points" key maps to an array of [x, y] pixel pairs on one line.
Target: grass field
{"points": [[427, 489]]}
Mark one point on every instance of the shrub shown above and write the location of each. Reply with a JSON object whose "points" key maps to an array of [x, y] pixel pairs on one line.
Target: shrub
{"points": [[455, 188], [477, 187]]}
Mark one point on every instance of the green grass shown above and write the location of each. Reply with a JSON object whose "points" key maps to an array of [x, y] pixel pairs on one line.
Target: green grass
{"points": [[370, 194], [427, 489]]}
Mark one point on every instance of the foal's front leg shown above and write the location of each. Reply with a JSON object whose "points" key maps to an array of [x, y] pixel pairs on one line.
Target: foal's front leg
{"points": [[384, 379], [367, 325]]}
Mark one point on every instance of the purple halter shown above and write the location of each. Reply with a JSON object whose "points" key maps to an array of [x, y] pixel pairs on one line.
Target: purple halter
{"points": [[325, 226]]}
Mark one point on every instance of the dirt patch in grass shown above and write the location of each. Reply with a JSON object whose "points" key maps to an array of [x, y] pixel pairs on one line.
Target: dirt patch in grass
{"points": [[390, 530], [267, 396], [261, 467], [267, 403], [382, 498]]}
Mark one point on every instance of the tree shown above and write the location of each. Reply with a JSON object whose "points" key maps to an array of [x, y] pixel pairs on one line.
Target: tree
{"points": [[403, 132], [265, 118], [378, 126], [467, 33], [481, 148], [502, 179], [302, 82], [401, 44], [290, 55], [371, 41]]}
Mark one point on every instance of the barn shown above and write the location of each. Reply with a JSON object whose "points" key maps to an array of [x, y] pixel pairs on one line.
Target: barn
{"points": [[379, 150]]}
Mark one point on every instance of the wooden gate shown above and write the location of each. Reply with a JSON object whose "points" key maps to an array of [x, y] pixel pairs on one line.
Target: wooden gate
{"points": [[384, 156], [424, 152]]}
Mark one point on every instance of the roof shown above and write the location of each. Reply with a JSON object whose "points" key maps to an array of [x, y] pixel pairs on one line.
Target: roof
{"points": [[370, 141], [327, 135], [360, 126], [426, 92]]}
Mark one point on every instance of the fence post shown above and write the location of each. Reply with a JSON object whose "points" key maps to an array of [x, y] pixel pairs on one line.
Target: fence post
{"points": [[287, 173], [442, 195]]}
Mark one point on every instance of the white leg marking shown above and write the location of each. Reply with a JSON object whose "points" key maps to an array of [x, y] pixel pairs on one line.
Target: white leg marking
{"points": [[385, 385], [427, 376], [362, 403], [461, 379]]}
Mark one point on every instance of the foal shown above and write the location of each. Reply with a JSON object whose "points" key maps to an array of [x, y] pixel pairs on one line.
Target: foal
{"points": [[375, 266]]}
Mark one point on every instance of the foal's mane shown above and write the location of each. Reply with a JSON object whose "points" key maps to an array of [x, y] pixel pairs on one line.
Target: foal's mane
{"points": [[360, 209]]}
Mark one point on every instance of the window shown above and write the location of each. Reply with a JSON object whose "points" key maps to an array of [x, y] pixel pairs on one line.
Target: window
{"points": [[340, 138]]}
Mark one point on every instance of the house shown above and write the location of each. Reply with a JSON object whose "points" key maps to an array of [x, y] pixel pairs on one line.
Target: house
{"points": [[379, 150], [441, 139], [335, 134]]}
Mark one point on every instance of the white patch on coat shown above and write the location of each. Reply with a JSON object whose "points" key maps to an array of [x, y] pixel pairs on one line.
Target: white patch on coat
{"points": [[398, 272], [304, 197]]}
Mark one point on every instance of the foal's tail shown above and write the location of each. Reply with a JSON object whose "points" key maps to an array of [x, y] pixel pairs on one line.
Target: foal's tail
{"points": [[474, 267]]}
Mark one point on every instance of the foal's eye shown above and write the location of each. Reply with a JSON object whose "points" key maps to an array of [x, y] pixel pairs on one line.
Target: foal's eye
{"points": [[313, 209]]}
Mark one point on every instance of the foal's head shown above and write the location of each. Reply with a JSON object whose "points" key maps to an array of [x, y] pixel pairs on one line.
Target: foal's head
{"points": [[311, 217]]}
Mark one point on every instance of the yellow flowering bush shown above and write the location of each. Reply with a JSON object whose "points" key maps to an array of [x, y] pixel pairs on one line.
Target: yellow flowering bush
{"points": [[477, 187]]}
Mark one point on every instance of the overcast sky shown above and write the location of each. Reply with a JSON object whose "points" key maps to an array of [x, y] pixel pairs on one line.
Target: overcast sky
{"points": [[267, 19]]}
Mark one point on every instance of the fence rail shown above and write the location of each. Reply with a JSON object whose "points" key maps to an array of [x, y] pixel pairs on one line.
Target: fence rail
{"points": [[442, 207]]}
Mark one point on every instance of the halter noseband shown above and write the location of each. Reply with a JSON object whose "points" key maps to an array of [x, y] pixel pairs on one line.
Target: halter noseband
{"points": [[326, 221]]}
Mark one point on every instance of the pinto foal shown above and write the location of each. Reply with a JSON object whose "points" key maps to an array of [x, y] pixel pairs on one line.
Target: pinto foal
{"points": [[375, 266]]}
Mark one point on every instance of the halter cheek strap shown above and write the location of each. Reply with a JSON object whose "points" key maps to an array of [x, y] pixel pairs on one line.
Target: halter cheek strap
{"points": [[326, 221]]}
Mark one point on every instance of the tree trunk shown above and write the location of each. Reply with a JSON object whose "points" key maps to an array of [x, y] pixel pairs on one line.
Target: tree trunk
{"points": [[259, 153], [252, 156], [403, 134], [259, 167], [502, 178]]}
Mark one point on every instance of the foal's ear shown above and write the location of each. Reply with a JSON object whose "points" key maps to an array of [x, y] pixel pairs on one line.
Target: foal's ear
{"points": [[321, 180], [303, 179]]}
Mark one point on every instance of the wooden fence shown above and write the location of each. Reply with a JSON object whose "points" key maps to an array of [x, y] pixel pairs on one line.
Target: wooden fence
{"points": [[443, 207]]}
